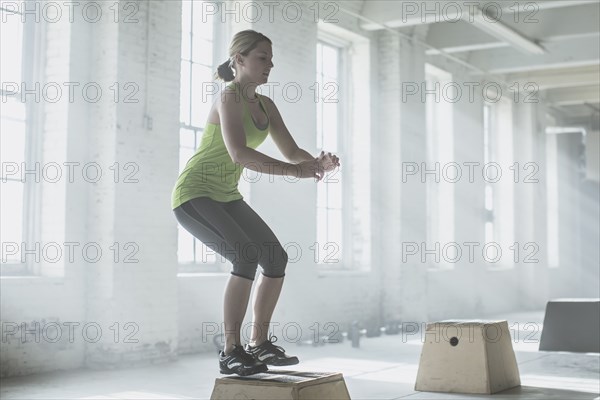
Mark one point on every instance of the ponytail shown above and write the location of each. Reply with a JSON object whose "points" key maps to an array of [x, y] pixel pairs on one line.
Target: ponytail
{"points": [[225, 71]]}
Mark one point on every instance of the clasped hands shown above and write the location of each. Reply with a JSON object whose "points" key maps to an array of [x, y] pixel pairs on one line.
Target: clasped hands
{"points": [[317, 168]]}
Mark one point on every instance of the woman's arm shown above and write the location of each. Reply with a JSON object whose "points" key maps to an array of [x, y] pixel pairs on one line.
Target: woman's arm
{"points": [[301, 155], [260, 162], [282, 137], [235, 141]]}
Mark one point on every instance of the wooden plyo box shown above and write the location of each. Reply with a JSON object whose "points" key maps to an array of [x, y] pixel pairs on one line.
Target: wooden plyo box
{"points": [[467, 357], [281, 385]]}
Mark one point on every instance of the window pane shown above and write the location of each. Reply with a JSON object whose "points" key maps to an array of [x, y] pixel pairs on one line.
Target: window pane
{"points": [[552, 202], [321, 232], [12, 142], [330, 64], [202, 51], [319, 124], [203, 20], [334, 199], [319, 58], [489, 198], [11, 40], [330, 126], [186, 28], [11, 213], [200, 106], [329, 195], [486, 133], [440, 203], [205, 255], [185, 93], [185, 241], [320, 87], [184, 156], [321, 194], [334, 239], [186, 138]]}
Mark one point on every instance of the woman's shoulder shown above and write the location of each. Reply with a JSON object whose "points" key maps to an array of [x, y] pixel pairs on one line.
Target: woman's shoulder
{"points": [[229, 95], [269, 104], [229, 89], [265, 98]]}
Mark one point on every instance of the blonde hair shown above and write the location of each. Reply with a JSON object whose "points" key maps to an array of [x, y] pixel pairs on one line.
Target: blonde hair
{"points": [[243, 42]]}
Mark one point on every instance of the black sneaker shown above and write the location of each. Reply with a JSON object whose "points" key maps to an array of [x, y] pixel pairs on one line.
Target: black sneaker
{"points": [[239, 362], [271, 354]]}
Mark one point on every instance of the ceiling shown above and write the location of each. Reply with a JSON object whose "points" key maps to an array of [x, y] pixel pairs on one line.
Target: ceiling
{"points": [[555, 44]]}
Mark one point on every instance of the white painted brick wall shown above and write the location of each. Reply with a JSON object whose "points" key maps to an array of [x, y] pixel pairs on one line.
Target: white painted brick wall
{"points": [[143, 293]]}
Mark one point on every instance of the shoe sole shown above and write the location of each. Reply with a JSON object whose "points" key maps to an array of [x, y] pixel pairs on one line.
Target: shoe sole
{"points": [[279, 363], [244, 372]]}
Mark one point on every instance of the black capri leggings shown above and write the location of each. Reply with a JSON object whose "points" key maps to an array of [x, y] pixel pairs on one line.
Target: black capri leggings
{"points": [[237, 232]]}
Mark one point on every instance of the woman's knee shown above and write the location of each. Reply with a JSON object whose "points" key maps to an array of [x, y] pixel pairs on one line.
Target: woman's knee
{"points": [[247, 271], [250, 253], [276, 264]]}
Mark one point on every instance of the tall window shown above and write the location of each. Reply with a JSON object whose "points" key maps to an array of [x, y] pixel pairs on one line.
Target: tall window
{"points": [[503, 172], [498, 172], [552, 201], [17, 119], [489, 190], [440, 150], [343, 109], [329, 192], [201, 39]]}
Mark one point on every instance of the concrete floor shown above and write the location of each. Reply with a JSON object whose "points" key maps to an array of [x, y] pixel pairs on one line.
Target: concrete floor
{"points": [[381, 368]]}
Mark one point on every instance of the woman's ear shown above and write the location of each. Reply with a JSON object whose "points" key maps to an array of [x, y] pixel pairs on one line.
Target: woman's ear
{"points": [[239, 59]]}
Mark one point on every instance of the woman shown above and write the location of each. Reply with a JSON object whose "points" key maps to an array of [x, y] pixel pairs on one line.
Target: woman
{"points": [[207, 203]]}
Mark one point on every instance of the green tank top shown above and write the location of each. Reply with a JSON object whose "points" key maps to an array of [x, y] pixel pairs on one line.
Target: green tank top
{"points": [[211, 172]]}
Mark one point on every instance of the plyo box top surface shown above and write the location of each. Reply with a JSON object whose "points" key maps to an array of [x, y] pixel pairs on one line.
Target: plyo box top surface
{"points": [[476, 322], [286, 377]]}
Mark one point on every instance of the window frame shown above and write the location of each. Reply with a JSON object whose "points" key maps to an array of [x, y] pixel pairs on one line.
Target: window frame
{"points": [[552, 235], [497, 215], [343, 259], [434, 76], [219, 33], [489, 122], [32, 68]]}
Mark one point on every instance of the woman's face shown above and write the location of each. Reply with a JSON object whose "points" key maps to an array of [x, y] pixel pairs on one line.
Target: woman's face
{"points": [[257, 64]]}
